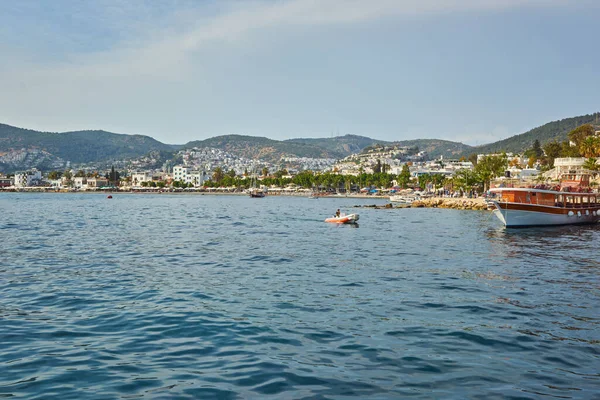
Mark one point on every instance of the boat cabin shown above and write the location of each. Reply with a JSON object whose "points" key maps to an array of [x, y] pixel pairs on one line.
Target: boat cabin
{"points": [[550, 198], [575, 182]]}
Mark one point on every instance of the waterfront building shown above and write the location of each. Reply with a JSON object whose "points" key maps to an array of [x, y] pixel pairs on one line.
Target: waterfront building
{"points": [[180, 172], [188, 175], [138, 177], [28, 178], [94, 183], [79, 182]]}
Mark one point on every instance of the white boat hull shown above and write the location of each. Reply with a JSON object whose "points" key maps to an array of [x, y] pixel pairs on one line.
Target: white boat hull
{"points": [[543, 216], [402, 199]]}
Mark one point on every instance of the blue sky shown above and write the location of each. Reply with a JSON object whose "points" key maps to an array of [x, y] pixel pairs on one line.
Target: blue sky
{"points": [[474, 71]]}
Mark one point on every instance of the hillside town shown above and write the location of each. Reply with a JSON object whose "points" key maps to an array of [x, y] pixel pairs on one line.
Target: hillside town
{"points": [[205, 169]]}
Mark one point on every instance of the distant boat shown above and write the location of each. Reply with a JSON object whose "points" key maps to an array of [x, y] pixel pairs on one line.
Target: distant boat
{"points": [[403, 199], [344, 219], [571, 202], [257, 193]]}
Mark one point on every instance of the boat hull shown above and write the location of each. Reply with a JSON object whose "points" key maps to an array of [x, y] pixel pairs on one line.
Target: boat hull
{"points": [[346, 219], [516, 215], [401, 199]]}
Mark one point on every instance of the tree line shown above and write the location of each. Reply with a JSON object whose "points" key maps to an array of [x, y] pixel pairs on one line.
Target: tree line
{"points": [[581, 142]]}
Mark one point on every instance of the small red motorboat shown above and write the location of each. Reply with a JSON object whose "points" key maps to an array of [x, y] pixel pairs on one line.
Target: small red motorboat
{"points": [[344, 219]]}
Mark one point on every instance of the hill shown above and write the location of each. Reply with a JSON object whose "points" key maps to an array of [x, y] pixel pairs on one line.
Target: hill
{"points": [[24, 148], [437, 147], [78, 146], [335, 147], [341, 145], [555, 130], [263, 148]]}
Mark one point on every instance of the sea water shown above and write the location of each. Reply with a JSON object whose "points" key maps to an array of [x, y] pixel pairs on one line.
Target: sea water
{"points": [[228, 297]]}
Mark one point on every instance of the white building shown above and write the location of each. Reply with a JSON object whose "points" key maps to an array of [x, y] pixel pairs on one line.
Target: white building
{"points": [[79, 182], [188, 175], [29, 178], [180, 173], [566, 165], [138, 177]]}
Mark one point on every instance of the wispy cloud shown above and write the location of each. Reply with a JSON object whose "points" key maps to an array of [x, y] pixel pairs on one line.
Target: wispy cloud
{"points": [[133, 28], [261, 15], [144, 43]]}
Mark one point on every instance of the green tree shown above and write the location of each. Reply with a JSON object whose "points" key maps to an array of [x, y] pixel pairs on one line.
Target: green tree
{"points": [[265, 171], [54, 175], [552, 150], [218, 175], [579, 134], [305, 179], [465, 180], [423, 180], [535, 151], [490, 167], [281, 173], [569, 151], [231, 173], [68, 178], [404, 176], [80, 174], [591, 164], [473, 158], [438, 180], [590, 147], [113, 177], [377, 167]]}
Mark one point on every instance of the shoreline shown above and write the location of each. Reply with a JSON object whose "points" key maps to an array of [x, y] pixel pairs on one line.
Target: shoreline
{"points": [[460, 203], [191, 192]]}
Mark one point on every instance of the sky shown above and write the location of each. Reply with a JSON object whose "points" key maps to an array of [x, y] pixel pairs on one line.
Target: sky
{"points": [[472, 71]]}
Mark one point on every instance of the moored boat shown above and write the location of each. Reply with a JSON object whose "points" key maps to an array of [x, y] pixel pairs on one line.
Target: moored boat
{"points": [[403, 199], [570, 202], [344, 219], [257, 194]]}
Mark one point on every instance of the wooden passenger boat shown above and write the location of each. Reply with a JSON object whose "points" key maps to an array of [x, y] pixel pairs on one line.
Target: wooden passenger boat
{"points": [[570, 202]]}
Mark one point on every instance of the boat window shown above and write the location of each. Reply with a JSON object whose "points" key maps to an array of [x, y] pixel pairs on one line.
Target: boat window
{"points": [[569, 200]]}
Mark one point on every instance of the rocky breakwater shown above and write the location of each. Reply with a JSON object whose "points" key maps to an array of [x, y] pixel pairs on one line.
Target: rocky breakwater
{"points": [[455, 203]]}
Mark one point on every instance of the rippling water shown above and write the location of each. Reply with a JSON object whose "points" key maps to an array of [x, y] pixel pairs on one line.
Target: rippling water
{"points": [[189, 296]]}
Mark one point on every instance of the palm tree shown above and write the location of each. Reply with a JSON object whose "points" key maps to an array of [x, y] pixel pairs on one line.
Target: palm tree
{"points": [[590, 147], [591, 164], [218, 175]]}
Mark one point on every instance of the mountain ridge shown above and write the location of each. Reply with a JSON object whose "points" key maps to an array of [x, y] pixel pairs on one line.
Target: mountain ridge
{"points": [[89, 146]]}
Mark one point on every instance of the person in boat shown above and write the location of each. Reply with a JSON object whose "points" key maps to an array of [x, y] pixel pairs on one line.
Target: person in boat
{"points": [[337, 213]]}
